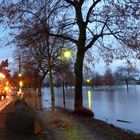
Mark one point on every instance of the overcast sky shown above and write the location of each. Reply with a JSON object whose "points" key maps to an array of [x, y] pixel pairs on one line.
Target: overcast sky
{"points": [[6, 53]]}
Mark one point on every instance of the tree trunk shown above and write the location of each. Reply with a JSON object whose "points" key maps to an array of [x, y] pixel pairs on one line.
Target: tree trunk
{"points": [[127, 85], [79, 80], [35, 86], [40, 85], [63, 86], [51, 85], [39, 88]]}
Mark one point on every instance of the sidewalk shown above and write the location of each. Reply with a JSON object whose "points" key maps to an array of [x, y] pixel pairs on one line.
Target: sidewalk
{"points": [[5, 134]]}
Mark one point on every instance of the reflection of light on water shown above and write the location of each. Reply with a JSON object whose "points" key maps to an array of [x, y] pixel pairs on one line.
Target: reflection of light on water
{"points": [[89, 99]]}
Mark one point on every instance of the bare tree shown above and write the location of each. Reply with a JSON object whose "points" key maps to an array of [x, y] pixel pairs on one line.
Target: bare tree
{"points": [[97, 80], [108, 77], [126, 73], [86, 24]]}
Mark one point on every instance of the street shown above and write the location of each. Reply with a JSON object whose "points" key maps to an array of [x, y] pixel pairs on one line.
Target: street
{"points": [[5, 102]]}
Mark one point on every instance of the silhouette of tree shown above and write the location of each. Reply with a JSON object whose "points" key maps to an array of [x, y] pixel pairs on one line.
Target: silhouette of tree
{"points": [[84, 23], [126, 73], [108, 77]]}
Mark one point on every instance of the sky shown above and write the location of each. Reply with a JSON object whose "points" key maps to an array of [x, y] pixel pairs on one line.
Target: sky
{"points": [[6, 53]]}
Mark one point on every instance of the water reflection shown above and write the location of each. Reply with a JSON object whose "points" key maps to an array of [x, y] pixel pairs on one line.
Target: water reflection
{"points": [[89, 99], [107, 105]]}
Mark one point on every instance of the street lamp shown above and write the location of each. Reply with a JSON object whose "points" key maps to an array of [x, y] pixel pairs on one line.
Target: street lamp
{"points": [[88, 80], [66, 54], [20, 75], [20, 83]]}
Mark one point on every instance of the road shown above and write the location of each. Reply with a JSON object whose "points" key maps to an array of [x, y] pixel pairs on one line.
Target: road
{"points": [[5, 102]]}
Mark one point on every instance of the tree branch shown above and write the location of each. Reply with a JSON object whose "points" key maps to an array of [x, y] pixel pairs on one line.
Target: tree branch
{"points": [[94, 39], [64, 37], [90, 10], [70, 2]]}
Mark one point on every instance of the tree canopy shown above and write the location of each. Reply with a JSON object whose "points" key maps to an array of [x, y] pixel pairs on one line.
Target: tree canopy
{"points": [[109, 27]]}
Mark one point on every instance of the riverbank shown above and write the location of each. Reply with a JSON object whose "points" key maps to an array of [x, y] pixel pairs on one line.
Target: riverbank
{"points": [[63, 124]]}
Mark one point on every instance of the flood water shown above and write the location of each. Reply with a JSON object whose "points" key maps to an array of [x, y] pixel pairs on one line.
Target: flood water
{"points": [[109, 105]]}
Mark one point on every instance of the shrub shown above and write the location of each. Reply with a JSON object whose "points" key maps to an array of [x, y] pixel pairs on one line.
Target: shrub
{"points": [[20, 102]]}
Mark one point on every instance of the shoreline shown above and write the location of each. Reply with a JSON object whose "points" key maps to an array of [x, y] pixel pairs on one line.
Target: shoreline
{"points": [[78, 126], [133, 135], [124, 129]]}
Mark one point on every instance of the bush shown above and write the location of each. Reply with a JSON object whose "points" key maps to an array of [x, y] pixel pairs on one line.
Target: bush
{"points": [[21, 120], [20, 102]]}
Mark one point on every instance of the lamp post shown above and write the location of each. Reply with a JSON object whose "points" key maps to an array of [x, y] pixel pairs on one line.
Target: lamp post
{"points": [[88, 82], [66, 54]]}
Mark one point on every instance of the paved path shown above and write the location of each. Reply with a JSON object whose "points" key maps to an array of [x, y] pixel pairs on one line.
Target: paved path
{"points": [[5, 134]]}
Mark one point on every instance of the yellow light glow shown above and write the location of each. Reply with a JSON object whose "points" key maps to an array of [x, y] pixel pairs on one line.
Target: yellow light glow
{"points": [[19, 74], [6, 88], [67, 54], [88, 80], [89, 99], [7, 83], [20, 83], [2, 75]]}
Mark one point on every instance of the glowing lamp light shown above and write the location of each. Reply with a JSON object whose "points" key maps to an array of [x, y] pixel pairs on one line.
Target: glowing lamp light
{"points": [[7, 83], [19, 74], [67, 54], [88, 80], [6, 88], [20, 83]]}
